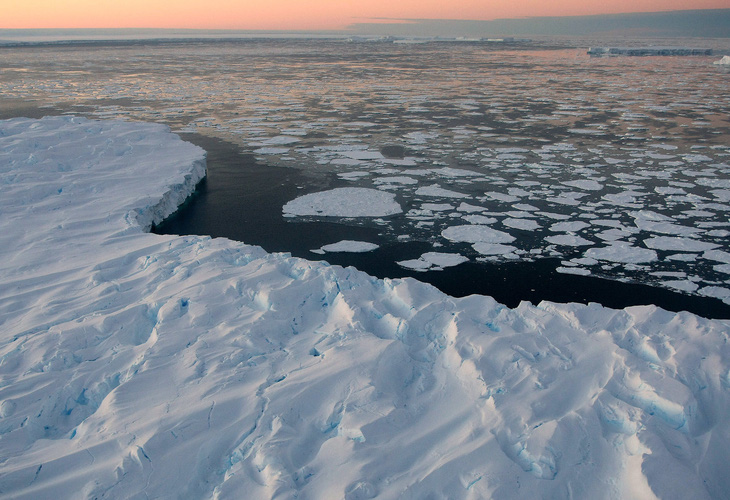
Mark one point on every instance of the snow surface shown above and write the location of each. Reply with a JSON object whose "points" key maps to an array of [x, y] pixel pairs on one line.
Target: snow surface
{"points": [[134, 364]]}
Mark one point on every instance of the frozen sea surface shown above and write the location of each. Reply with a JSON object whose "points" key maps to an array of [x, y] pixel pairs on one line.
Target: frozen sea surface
{"points": [[135, 364], [521, 136]]}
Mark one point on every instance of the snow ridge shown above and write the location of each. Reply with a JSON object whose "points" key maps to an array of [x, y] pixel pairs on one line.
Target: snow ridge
{"points": [[135, 364]]}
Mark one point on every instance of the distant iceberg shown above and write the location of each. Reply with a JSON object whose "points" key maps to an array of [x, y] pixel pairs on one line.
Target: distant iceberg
{"points": [[135, 365], [649, 51], [725, 61]]}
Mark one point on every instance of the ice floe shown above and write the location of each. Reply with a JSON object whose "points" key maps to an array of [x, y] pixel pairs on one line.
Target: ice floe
{"points": [[347, 246], [344, 202], [620, 251], [678, 244], [433, 261], [476, 234]]}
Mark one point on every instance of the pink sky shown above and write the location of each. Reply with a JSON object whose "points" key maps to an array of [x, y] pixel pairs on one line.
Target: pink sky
{"points": [[301, 14]]}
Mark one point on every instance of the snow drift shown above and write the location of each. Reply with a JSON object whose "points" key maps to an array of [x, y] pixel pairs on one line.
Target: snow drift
{"points": [[135, 365]]}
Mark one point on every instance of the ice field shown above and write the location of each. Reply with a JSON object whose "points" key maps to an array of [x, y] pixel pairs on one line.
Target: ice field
{"points": [[135, 364], [490, 152]]}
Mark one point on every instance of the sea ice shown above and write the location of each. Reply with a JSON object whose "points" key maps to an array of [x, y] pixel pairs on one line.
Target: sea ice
{"points": [[587, 184], [678, 244], [622, 252], [573, 270], [438, 192], [349, 246], [523, 224], [568, 227], [493, 248], [717, 255], [434, 261], [476, 234], [571, 240], [344, 202]]}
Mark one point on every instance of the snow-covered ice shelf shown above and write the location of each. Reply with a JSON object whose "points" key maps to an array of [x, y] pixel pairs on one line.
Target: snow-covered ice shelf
{"points": [[135, 364], [650, 51]]}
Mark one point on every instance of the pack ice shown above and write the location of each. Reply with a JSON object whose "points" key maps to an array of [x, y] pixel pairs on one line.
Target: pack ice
{"points": [[135, 365]]}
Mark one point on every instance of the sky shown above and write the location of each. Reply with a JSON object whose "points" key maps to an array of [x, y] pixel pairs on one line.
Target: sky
{"points": [[302, 14]]}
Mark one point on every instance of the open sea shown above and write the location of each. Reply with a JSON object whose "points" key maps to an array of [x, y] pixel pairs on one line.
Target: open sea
{"points": [[525, 170]]}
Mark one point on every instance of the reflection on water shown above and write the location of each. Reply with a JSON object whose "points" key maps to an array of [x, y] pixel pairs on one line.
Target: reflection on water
{"points": [[612, 167]]}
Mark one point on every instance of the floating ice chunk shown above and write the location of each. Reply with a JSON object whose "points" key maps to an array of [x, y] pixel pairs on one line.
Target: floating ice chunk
{"points": [[568, 227], [475, 234], [434, 261], [350, 246], [271, 151], [493, 248], [351, 176], [573, 270], [402, 180], [523, 224], [437, 207], [584, 261], [570, 199], [696, 158], [344, 202], [526, 207], [627, 198], [683, 257], [467, 207], [455, 172], [279, 140], [479, 219], [363, 155], [554, 216], [716, 292], [657, 223], [681, 285], [508, 198], [586, 184], [669, 190], [678, 244], [725, 61], [437, 191], [717, 255], [420, 137], [722, 268], [586, 131], [568, 240], [622, 252]]}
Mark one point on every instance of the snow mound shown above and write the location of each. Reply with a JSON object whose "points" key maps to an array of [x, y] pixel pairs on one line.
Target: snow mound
{"points": [[138, 365], [344, 202]]}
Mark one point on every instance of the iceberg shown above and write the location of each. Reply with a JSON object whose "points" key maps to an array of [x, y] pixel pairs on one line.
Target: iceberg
{"points": [[724, 61], [139, 365]]}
